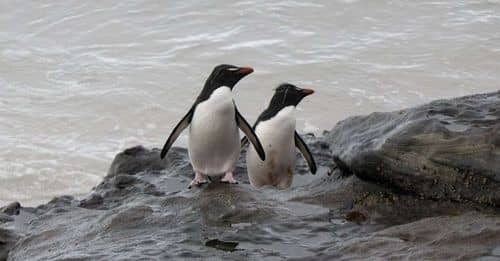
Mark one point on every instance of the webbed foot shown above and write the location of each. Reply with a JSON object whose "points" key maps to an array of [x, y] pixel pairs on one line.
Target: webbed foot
{"points": [[198, 181], [229, 178]]}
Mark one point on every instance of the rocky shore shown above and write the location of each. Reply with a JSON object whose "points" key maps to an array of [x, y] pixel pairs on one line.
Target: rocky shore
{"points": [[421, 183]]}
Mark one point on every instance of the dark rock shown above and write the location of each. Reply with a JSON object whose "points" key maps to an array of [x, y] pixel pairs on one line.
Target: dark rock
{"points": [[7, 240], [11, 209], [93, 201], [58, 202], [344, 169], [5, 218], [123, 181], [378, 203], [142, 210], [356, 216], [444, 150], [222, 245], [465, 237], [137, 159]]}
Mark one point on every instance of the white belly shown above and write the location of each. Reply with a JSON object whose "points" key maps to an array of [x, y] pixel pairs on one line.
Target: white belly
{"points": [[277, 138], [214, 139]]}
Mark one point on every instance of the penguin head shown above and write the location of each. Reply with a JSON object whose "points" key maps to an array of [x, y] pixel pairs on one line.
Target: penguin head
{"points": [[226, 75], [289, 95]]}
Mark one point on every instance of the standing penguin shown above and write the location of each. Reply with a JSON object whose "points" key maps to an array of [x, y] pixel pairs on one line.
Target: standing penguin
{"points": [[276, 129], [213, 120]]}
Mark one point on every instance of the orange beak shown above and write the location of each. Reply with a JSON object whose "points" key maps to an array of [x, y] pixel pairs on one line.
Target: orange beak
{"points": [[307, 92], [245, 70]]}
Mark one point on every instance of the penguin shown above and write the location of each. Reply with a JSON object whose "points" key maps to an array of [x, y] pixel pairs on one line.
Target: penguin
{"points": [[213, 120], [276, 129]]}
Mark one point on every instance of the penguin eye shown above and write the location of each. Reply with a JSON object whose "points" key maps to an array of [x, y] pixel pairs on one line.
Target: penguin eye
{"points": [[232, 69]]}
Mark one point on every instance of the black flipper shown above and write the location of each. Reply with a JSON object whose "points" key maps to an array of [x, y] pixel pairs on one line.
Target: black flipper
{"points": [[245, 127], [186, 120], [301, 145]]}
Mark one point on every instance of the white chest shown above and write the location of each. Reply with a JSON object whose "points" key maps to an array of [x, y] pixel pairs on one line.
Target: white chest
{"points": [[278, 131], [277, 138], [213, 142]]}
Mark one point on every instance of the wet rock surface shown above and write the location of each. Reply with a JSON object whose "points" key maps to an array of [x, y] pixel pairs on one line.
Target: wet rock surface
{"points": [[444, 150], [11, 209], [7, 240], [142, 210]]}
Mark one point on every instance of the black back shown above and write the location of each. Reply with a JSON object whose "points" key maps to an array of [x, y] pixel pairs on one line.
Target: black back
{"points": [[222, 75], [285, 95]]}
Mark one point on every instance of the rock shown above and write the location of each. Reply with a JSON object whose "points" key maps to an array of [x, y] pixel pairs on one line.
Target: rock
{"points": [[435, 238], [222, 245], [444, 150], [136, 159], [7, 240], [142, 210], [376, 203], [93, 201], [356, 216], [58, 204], [11, 209], [5, 218]]}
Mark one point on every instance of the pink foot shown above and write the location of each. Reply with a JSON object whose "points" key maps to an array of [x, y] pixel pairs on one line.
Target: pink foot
{"points": [[198, 180], [228, 178]]}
